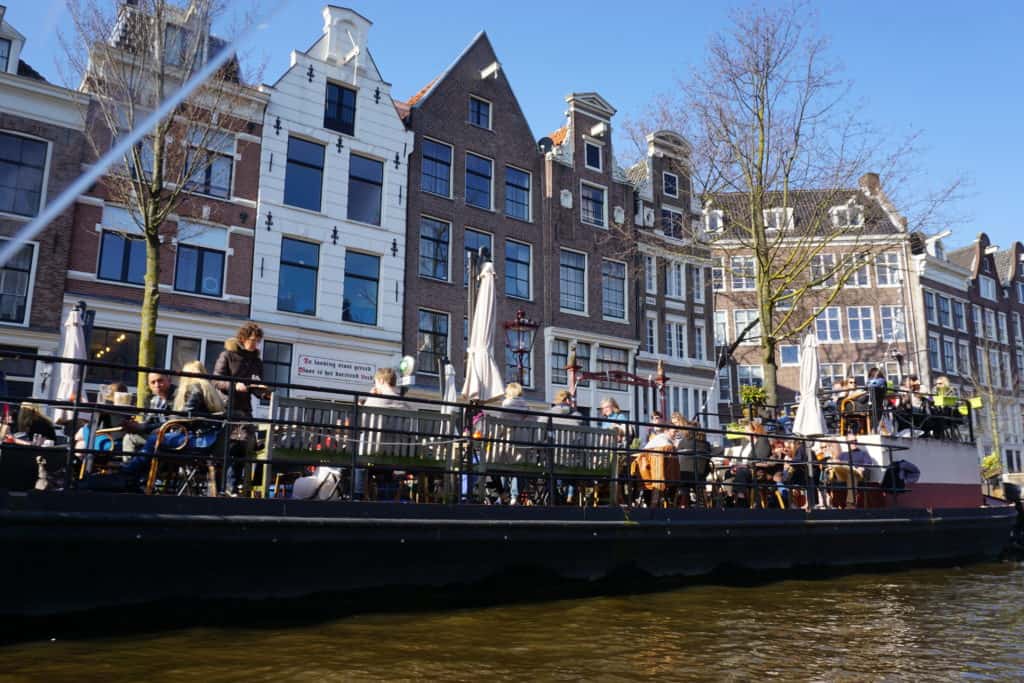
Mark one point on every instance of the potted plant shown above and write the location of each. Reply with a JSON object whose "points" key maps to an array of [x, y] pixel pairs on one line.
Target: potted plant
{"points": [[753, 399]]}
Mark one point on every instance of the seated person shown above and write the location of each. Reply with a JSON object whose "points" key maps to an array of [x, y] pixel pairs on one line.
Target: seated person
{"points": [[914, 407], [562, 405], [613, 416], [198, 398], [162, 398], [693, 453], [34, 427], [385, 391], [849, 468], [650, 465]]}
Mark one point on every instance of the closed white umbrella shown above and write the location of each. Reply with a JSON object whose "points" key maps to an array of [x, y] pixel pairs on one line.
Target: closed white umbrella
{"points": [[73, 347], [483, 377], [810, 420], [451, 394]]}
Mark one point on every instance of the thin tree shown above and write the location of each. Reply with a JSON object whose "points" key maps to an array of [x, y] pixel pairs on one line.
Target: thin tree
{"points": [[129, 57], [774, 132]]}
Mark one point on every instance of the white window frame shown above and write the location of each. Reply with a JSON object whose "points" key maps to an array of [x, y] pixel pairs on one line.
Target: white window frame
{"points": [[604, 192], [625, 291], [665, 174], [650, 274], [651, 333], [727, 373], [451, 169], [448, 341], [530, 249], [782, 361], [721, 321], [935, 355], [741, 318], [734, 268], [991, 332], [832, 373], [860, 278], [1003, 330], [949, 344], [677, 342], [987, 288], [897, 315], [30, 290], [826, 316], [699, 351], [753, 372], [939, 299], [963, 358], [720, 221], [600, 156], [529, 195], [887, 262], [44, 187], [976, 321], [781, 216], [962, 326], [931, 313], [698, 283], [465, 180], [661, 222], [718, 266], [858, 338], [675, 279], [490, 112], [586, 280], [836, 211], [1020, 292], [821, 264]]}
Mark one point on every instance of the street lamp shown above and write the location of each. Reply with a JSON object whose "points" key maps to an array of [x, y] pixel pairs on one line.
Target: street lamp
{"points": [[520, 334]]}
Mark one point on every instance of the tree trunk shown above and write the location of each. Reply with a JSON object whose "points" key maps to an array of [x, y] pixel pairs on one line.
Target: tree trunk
{"points": [[150, 308], [771, 381]]}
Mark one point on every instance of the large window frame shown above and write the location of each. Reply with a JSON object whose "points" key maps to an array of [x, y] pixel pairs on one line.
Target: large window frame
{"points": [[340, 111], [5, 54], [24, 161], [744, 277], [299, 267], [479, 239], [518, 194], [887, 269], [356, 279], [131, 247], [598, 150], [518, 270], [366, 184], [593, 204], [614, 290], [741, 317], [433, 339], [475, 175], [277, 360], [435, 249], [828, 325], [567, 302], [301, 168], [480, 112], [860, 323], [436, 167], [17, 281], [201, 272]]}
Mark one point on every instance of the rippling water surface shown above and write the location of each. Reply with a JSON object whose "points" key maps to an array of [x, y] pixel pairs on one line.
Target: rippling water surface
{"points": [[938, 624]]}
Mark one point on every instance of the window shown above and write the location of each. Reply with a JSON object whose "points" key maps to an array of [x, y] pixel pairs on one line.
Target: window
{"points": [[778, 218], [827, 325], [1007, 370], [749, 375], [583, 359], [697, 273], [478, 181], [199, 270], [512, 368], [994, 371], [987, 287], [359, 293], [823, 270], [479, 112], [431, 341], [122, 258], [784, 302], [670, 184], [613, 289], [929, 308], [990, 324], [700, 342], [963, 358], [572, 281], [721, 328], [1018, 333], [949, 355], [859, 277], [672, 223], [303, 178], [713, 221], [436, 174], [22, 166], [213, 156], [5, 54], [789, 354], [849, 216], [976, 319], [122, 348], [610, 359], [340, 109], [980, 365], [674, 280], [19, 373], [213, 350], [184, 350], [435, 237], [178, 45], [651, 274], [742, 272], [945, 316], [675, 339], [651, 335], [741, 318], [830, 373], [517, 193], [1004, 336], [893, 326], [887, 269], [472, 242], [934, 352], [559, 359], [277, 365], [959, 319], [724, 385], [592, 205], [297, 281], [517, 269], [1020, 292], [861, 323], [365, 187], [718, 275], [15, 279], [592, 156]]}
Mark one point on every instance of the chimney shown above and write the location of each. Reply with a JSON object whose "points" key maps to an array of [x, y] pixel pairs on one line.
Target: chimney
{"points": [[870, 183], [346, 33]]}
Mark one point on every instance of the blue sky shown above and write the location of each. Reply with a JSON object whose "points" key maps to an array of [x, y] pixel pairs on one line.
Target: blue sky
{"points": [[951, 70]]}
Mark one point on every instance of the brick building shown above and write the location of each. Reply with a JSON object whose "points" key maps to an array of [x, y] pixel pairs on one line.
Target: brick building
{"points": [[474, 179], [41, 145], [206, 251], [862, 327], [673, 281], [328, 274]]}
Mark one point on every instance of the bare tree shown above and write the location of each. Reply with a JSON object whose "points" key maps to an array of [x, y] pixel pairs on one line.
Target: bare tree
{"points": [[990, 377], [774, 134], [129, 57]]}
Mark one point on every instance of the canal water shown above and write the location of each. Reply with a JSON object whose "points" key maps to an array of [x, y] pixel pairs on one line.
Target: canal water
{"points": [[936, 624]]}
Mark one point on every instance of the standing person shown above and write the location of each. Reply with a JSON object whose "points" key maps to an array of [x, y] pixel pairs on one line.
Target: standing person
{"points": [[562, 405], [240, 360], [161, 399], [514, 398], [385, 391]]}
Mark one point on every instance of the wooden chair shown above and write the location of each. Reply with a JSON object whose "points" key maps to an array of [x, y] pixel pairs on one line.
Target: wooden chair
{"points": [[183, 463]]}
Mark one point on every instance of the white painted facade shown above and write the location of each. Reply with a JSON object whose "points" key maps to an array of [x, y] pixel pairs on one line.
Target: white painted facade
{"points": [[351, 350]]}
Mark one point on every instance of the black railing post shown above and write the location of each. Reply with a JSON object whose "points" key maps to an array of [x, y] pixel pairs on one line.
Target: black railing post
{"points": [[69, 460], [227, 437], [550, 447], [353, 441]]}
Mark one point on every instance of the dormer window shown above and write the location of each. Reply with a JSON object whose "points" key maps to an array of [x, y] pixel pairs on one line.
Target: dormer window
{"points": [[713, 220], [592, 156], [5, 54], [340, 109], [847, 216], [480, 112], [777, 218], [670, 184], [987, 287], [177, 42]]}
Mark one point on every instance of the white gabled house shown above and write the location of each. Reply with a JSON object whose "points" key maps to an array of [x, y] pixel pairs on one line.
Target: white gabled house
{"points": [[330, 235]]}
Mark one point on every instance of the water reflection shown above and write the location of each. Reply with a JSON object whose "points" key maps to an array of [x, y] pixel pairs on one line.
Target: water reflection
{"points": [[926, 624]]}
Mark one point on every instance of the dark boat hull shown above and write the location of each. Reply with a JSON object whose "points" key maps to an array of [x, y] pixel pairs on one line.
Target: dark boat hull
{"points": [[66, 553]]}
